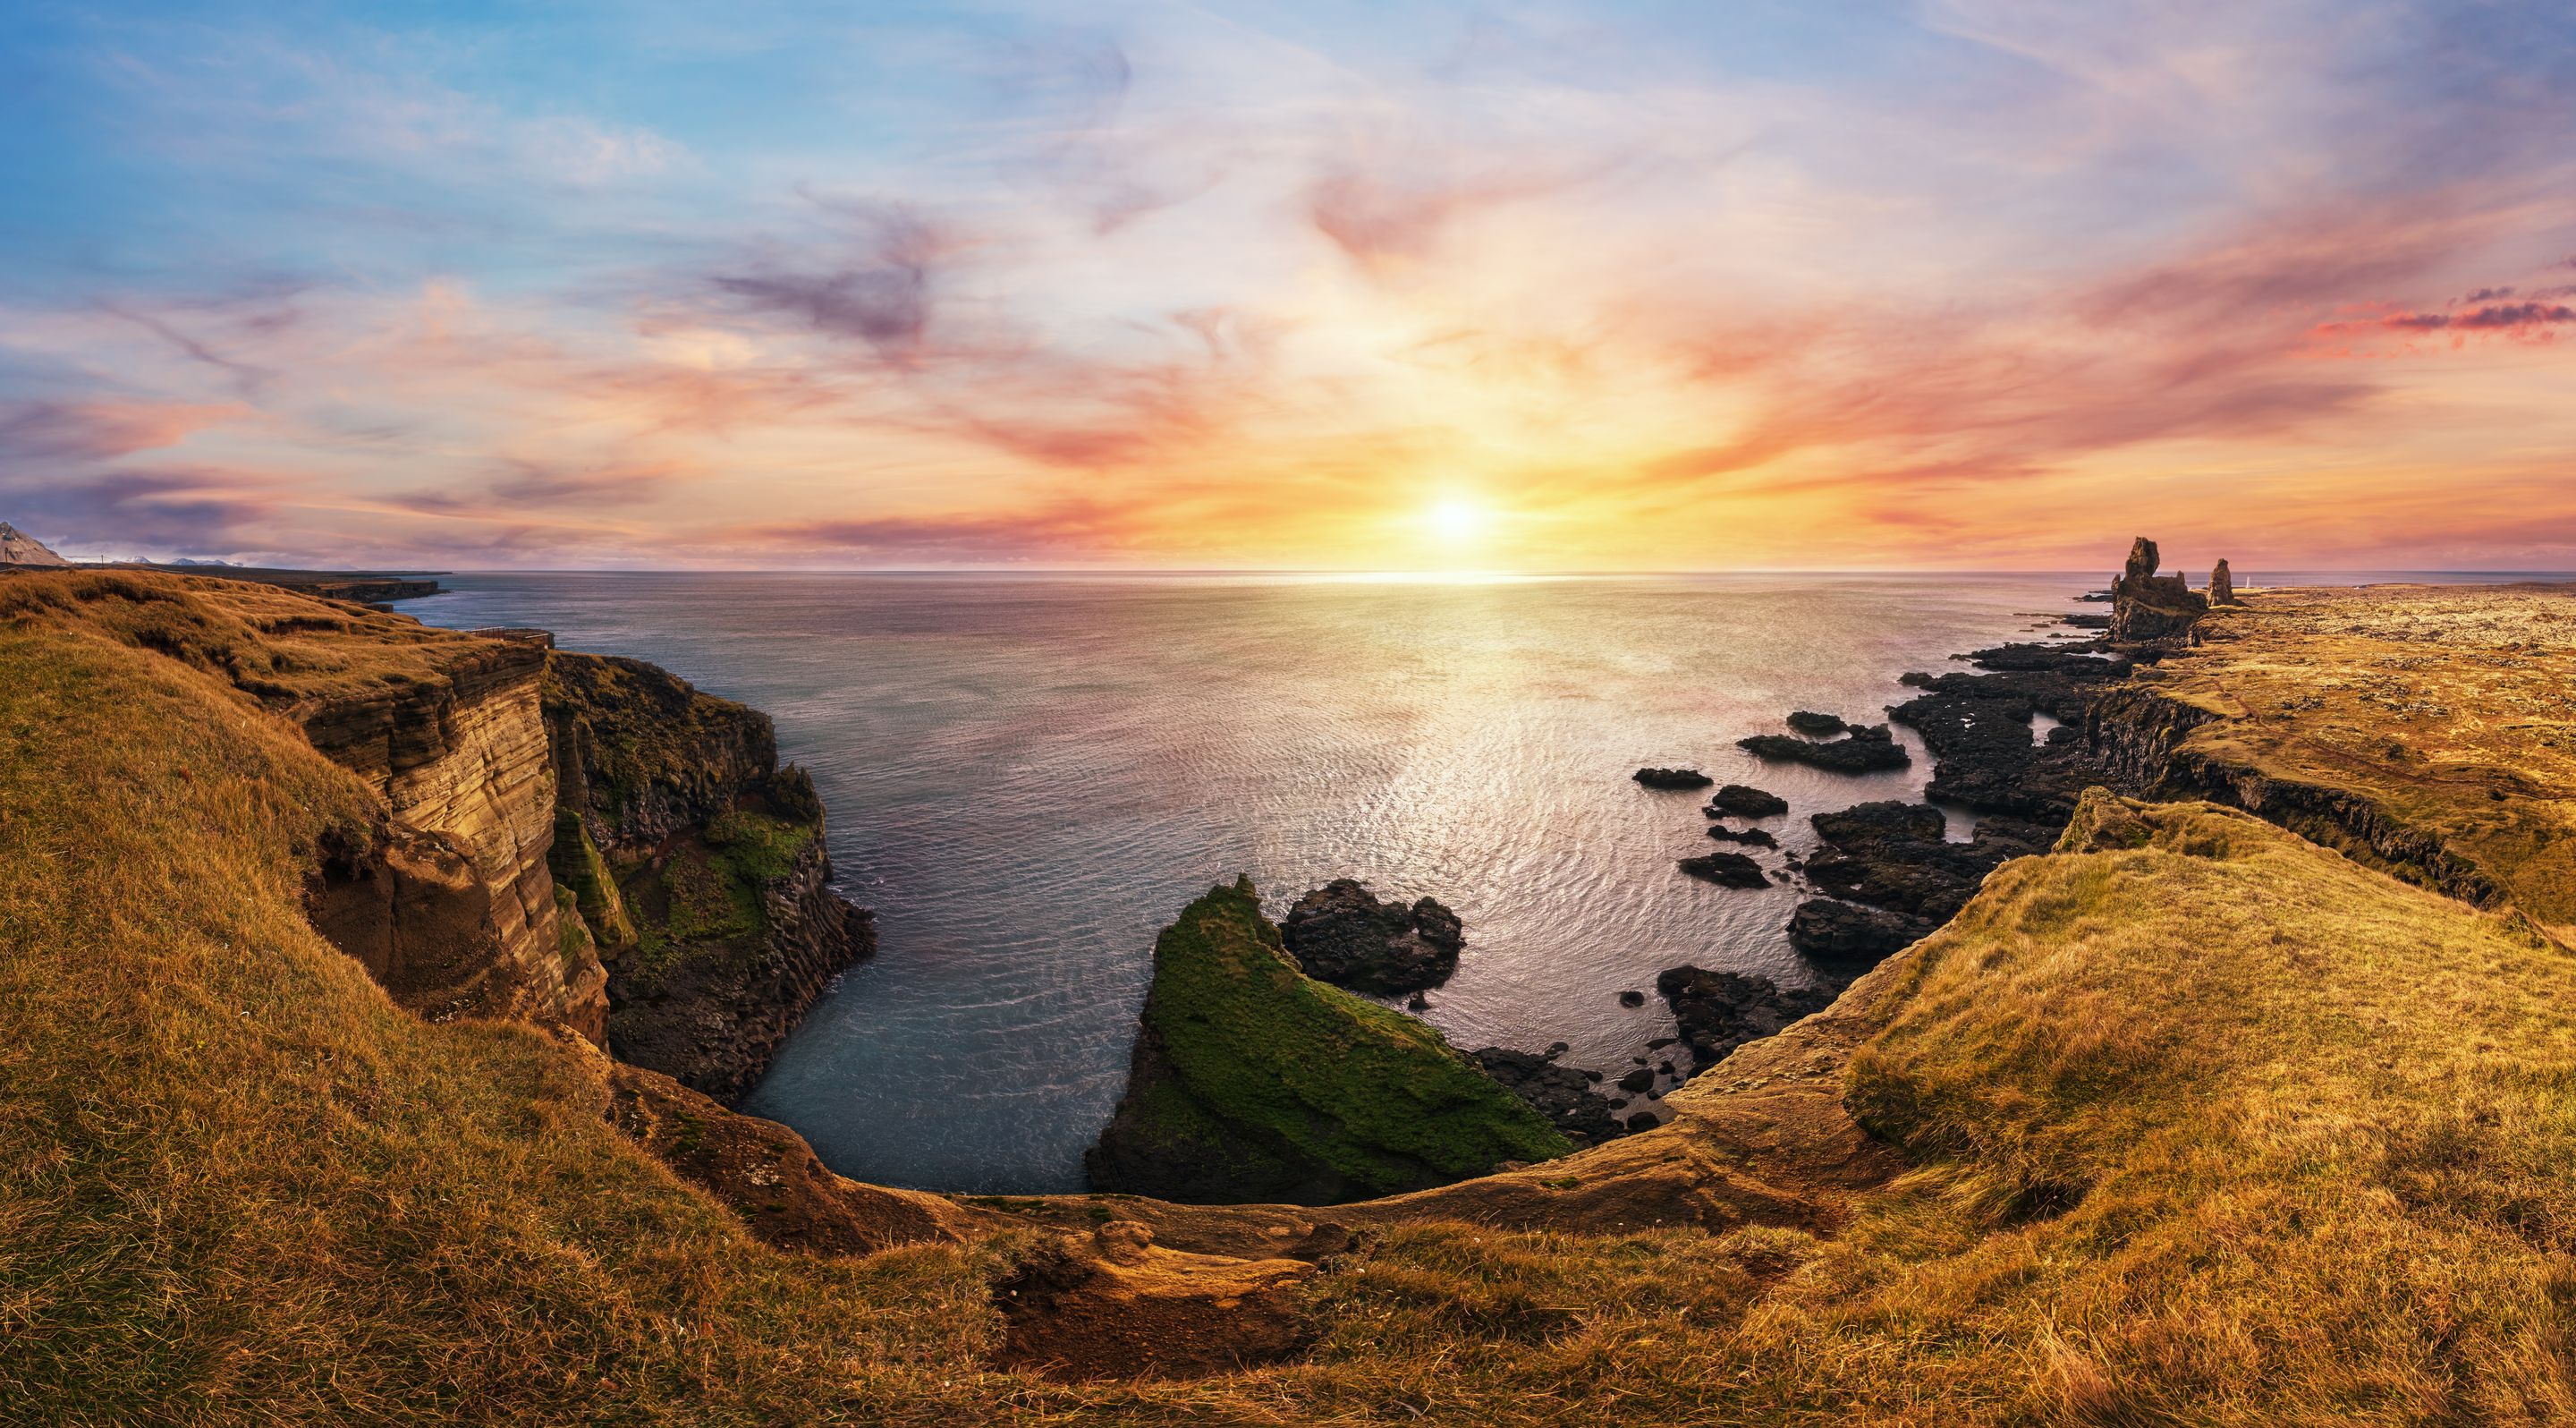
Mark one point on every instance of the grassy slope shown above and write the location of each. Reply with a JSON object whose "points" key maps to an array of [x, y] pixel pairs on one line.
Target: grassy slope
{"points": [[237, 1183], [1374, 1094], [2219, 1128]]}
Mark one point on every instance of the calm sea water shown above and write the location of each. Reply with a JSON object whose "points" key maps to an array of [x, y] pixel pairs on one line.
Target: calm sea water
{"points": [[1027, 776]]}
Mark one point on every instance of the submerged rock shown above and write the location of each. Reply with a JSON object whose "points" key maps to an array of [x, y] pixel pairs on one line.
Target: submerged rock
{"points": [[1867, 749], [1755, 837], [1251, 1082], [1733, 870], [1340, 933], [1808, 721], [1745, 801], [1720, 1011], [1672, 778]]}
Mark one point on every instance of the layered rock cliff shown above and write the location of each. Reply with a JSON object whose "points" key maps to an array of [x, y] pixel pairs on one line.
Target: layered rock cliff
{"points": [[696, 864], [451, 903]]}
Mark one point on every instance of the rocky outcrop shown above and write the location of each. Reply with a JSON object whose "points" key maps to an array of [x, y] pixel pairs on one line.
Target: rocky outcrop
{"points": [[1672, 778], [452, 903], [1340, 933], [1112, 1304], [2222, 585], [1727, 870], [1751, 837], [1866, 749], [17, 548], [1251, 1082], [697, 864], [1848, 935], [2151, 609], [1744, 801], [1978, 727], [1822, 726], [1897, 856], [1720, 1011], [1564, 1094]]}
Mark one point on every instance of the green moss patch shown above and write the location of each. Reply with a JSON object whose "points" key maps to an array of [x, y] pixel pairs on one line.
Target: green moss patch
{"points": [[1288, 1076], [580, 871]]}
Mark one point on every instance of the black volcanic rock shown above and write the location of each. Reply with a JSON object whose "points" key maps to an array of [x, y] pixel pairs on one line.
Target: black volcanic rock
{"points": [[1339, 933], [1745, 801], [1562, 1094], [1847, 934], [1978, 727], [1720, 1011], [1755, 837], [1895, 856], [1732, 870], [1868, 749], [2086, 659], [1672, 778], [1808, 721]]}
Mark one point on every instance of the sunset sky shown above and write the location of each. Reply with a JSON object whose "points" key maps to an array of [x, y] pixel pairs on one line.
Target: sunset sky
{"points": [[1980, 284]]}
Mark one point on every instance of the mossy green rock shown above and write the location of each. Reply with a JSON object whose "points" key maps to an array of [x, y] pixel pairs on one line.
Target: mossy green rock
{"points": [[1252, 1082]]}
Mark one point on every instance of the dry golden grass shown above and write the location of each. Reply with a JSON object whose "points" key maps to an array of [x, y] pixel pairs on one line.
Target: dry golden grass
{"points": [[276, 644], [2452, 708], [2219, 1128]]}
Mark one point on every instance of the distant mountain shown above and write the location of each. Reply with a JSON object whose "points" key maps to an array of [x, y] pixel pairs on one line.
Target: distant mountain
{"points": [[207, 564], [19, 548]]}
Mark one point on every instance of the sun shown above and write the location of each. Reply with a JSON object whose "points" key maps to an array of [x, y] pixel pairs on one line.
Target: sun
{"points": [[1458, 522]]}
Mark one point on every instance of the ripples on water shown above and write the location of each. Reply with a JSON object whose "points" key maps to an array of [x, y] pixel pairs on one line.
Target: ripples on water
{"points": [[1027, 776]]}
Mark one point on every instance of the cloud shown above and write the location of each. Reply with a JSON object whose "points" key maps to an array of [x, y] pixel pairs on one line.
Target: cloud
{"points": [[2529, 321], [881, 296], [184, 511], [83, 432], [1062, 528], [546, 483]]}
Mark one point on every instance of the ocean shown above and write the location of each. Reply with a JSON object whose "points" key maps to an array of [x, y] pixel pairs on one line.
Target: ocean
{"points": [[1028, 775]]}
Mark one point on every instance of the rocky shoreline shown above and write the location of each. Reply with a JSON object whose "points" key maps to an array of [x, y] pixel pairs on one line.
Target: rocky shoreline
{"points": [[1886, 873]]}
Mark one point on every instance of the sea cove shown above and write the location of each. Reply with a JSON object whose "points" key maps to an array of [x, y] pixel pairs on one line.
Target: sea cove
{"points": [[1028, 775]]}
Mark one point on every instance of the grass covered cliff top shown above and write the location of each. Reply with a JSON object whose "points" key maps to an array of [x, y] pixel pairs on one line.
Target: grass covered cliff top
{"points": [[2451, 708], [278, 645], [1272, 1083], [2193, 1121]]}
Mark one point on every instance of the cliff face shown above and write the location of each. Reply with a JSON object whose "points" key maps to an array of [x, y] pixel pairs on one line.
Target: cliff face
{"points": [[464, 920], [697, 866], [2423, 732]]}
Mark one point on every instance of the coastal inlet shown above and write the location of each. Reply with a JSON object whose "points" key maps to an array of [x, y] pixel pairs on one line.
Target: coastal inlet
{"points": [[1029, 777]]}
